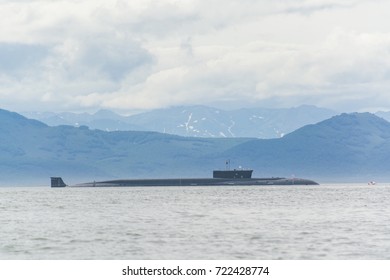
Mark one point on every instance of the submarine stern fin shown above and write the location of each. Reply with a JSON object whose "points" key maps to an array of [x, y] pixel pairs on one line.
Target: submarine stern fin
{"points": [[57, 182]]}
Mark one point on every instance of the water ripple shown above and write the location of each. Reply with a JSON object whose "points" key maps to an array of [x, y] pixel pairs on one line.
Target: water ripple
{"points": [[321, 222]]}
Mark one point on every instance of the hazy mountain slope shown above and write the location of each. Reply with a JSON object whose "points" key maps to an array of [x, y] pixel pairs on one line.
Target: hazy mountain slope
{"points": [[199, 121], [30, 150], [348, 146], [383, 114], [102, 119], [345, 147]]}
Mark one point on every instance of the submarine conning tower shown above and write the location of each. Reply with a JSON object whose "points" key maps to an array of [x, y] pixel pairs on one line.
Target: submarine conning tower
{"points": [[233, 174]]}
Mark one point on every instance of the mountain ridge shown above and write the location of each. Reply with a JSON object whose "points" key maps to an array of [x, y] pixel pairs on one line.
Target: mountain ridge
{"points": [[349, 147], [344, 146], [198, 120]]}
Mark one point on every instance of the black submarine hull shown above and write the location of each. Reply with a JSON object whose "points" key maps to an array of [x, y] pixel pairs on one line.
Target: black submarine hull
{"points": [[57, 182]]}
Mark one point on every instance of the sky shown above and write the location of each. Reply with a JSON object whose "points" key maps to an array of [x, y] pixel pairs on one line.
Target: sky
{"points": [[137, 55]]}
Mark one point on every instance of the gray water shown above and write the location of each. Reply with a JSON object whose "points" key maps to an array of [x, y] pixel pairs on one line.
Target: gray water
{"points": [[286, 222]]}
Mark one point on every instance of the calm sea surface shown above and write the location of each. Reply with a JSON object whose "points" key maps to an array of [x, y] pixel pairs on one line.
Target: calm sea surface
{"points": [[286, 222]]}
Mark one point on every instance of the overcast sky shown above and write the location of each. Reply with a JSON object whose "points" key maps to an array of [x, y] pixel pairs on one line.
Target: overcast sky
{"points": [[139, 54]]}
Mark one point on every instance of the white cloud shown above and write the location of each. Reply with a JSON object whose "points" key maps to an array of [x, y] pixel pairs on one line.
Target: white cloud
{"points": [[147, 54]]}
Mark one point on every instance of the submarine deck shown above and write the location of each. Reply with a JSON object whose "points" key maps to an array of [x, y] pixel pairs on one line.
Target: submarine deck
{"points": [[197, 182]]}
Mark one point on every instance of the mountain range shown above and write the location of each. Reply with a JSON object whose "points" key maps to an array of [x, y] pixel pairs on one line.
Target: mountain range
{"points": [[346, 147], [197, 121]]}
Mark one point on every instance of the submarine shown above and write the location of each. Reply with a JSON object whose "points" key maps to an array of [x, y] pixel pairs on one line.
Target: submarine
{"points": [[235, 177]]}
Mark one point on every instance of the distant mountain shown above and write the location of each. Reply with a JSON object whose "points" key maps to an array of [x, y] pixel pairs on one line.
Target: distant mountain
{"points": [[33, 151], [384, 115], [102, 119], [198, 121], [347, 147]]}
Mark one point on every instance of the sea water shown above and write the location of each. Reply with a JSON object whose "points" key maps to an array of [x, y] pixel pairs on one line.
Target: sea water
{"points": [[236, 222]]}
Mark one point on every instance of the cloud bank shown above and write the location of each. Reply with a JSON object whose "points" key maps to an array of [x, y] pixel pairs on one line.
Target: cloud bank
{"points": [[137, 55]]}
